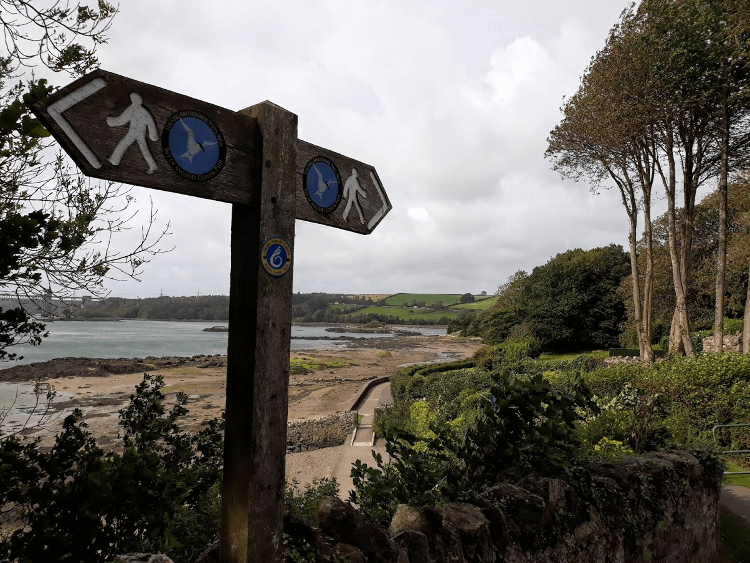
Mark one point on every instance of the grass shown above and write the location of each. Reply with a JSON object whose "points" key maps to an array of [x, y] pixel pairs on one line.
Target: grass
{"points": [[429, 299], [734, 537], [409, 314], [481, 304], [343, 307], [307, 364], [562, 356], [742, 480]]}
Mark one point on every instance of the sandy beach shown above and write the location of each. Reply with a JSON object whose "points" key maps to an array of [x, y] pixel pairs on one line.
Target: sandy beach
{"points": [[321, 383]]}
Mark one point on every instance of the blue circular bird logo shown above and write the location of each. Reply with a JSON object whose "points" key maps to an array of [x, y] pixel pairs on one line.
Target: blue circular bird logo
{"points": [[322, 183], [193, 146]]}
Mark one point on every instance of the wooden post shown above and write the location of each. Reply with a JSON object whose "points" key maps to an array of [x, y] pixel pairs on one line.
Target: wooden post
{"points": [[260, 317]]}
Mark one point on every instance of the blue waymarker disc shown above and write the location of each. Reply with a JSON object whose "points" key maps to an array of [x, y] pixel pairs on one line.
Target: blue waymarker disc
{"points": [[322, 183], [276, 256], [193, 145]]}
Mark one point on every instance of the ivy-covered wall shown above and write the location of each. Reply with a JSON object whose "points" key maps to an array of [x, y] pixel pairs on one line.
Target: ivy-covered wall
{"points": [[660, 507]]}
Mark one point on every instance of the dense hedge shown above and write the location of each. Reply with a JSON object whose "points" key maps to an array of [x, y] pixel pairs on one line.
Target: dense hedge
{"points": [[458, 427], [695, 394]]}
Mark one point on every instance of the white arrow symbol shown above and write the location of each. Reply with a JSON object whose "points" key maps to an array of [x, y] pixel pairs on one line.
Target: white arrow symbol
{"points": [[56, 110], [383, 209]]}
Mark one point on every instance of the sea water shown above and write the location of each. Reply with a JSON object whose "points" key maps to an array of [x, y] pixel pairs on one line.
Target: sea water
{"points": [[140, 338]]}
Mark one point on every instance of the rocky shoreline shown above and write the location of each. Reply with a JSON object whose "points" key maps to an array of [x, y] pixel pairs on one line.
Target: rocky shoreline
{"points": [[325, 386], [103, 367]]}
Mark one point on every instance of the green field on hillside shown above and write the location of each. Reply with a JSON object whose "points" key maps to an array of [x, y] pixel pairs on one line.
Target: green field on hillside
{"points": [[429, 299], [342, 307], [409, 314], [482, 303]]}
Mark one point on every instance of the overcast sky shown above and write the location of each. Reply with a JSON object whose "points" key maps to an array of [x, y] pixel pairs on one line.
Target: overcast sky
{"points": [[451, 100]]}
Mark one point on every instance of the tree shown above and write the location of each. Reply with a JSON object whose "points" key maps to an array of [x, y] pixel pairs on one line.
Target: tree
{"points": [[605, 137], [702, 286], [730, 47], [571, 302], [664, 97], [467, 298], [56, 227]]}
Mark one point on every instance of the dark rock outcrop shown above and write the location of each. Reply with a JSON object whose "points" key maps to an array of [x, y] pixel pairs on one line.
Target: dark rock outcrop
{"points": [[346, 525]]}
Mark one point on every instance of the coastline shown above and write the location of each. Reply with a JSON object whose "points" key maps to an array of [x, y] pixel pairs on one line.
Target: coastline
{"points": [[323, 382]]}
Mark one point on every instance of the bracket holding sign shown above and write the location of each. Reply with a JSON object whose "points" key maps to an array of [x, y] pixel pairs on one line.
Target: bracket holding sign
{"points": [[127, 131]]}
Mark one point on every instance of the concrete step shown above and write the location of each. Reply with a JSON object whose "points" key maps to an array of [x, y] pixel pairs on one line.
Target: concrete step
{"points": [[362, 436]]}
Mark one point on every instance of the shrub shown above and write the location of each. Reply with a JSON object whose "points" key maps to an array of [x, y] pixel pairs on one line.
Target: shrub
{"points": [[733, 326], [409, 383], [526, 428], [420, 476], [305, 502], [435, 389], [87, 506], [694, 394], [518, 348]]}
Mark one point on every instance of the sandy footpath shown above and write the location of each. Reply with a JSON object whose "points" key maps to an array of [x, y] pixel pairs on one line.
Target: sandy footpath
{"points": [[330, 386]]}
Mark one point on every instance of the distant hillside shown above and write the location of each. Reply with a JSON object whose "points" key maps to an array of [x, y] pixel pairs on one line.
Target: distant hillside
{"points": [[205, 307], [401, 308]]}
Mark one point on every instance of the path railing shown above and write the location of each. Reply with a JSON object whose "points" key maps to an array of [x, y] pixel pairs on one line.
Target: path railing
{"points": [[731, 451]]}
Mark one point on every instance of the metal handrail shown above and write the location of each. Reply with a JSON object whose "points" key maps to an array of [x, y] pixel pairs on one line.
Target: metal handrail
{"points": [[732, 451]]}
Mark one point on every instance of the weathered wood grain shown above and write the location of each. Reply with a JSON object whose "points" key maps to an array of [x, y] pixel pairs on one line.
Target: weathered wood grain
{"points": [[89, 120], [374, 207], [260, 318]]}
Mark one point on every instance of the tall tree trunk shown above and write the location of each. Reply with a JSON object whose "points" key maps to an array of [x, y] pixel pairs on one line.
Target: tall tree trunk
{"points": [[721, 263], [648, 281], [682, 332], [644, 160], [746, 324], [636, 283]]}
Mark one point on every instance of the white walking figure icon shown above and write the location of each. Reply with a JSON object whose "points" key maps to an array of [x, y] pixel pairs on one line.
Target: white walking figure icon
{"points": [[352, 189], [141, 122]]}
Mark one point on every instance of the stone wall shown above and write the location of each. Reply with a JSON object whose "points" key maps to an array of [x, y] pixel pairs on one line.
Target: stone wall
{"points": [[630, 360], [321, 432], [732, 343], [661, 507]]}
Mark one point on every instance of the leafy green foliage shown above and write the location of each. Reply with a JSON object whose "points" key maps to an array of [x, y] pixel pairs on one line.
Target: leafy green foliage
{"points": [[300, 544], [569, 303], [160, 494], [676, 401], [572, 301], [305, 502], [515, 349], [526, 427], [425, 475], [530, 427]]}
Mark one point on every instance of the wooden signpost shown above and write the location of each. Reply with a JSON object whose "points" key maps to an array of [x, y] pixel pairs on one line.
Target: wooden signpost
{"points": [[127, 131]]}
